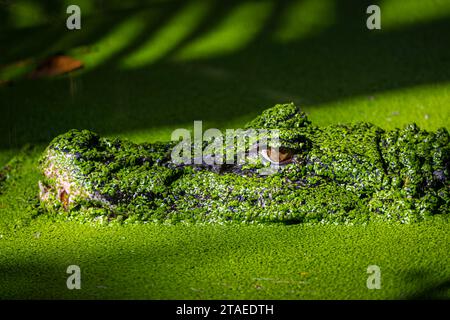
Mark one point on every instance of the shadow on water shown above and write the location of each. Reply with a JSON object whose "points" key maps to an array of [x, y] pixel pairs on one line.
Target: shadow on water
{"points": [[430, 288], [339, 61]]}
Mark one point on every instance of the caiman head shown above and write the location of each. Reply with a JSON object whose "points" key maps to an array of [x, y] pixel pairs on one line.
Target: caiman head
{"points": [[336, 174]]}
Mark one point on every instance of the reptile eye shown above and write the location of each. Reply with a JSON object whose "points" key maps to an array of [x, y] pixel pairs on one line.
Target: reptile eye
{"points": [[280, 156]]}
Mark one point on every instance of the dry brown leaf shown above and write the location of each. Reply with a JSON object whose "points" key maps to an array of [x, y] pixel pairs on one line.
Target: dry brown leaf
{"points": [[56, 65]]}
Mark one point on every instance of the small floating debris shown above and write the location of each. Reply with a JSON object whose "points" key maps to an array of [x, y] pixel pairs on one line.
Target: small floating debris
{"points": [[56, 65]]}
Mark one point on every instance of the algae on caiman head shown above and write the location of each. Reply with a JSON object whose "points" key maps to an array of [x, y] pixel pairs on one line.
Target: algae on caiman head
{"points": [[335, 174]]}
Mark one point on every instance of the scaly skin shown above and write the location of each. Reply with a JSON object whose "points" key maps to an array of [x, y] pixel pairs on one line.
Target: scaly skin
{"points": [[337, 174]]}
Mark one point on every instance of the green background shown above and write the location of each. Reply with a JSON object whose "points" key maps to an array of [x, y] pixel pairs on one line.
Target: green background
{"points": [[154, 66]]}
